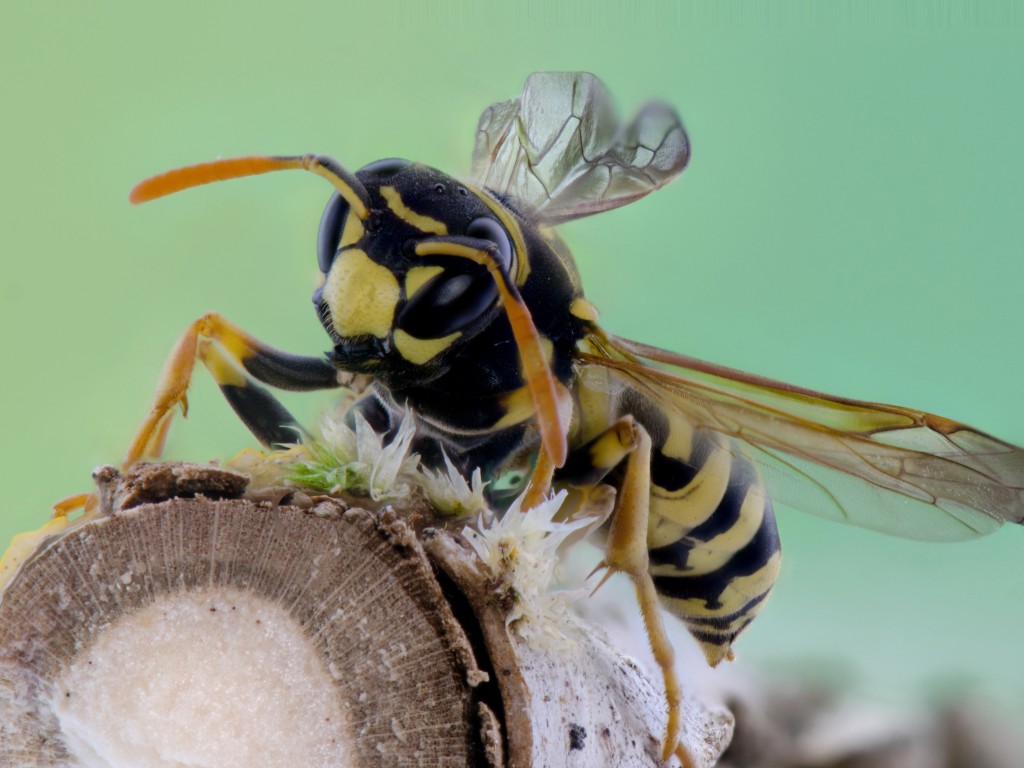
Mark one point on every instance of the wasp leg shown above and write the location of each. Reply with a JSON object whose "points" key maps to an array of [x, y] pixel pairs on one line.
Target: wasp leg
{"points": [[85, 501], [626, 552], [540, 480], [260, 411], [240, 351]]}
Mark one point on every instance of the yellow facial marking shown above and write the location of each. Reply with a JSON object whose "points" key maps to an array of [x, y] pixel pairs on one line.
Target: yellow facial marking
{"points": [[583, 309], [418, 220], [420, 351], [353, 231], [361, 294], [416, 277]]}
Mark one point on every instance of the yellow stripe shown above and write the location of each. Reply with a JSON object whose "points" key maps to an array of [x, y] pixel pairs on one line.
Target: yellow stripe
{"points": [[518, 405], [223, 369], [736, 594], [418, 220], [353, 231], [706, 557], [419, 351], [583, 309]]}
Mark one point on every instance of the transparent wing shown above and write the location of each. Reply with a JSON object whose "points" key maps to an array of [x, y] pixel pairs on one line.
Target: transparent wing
{"points": [[896, 470], [560, 149]]}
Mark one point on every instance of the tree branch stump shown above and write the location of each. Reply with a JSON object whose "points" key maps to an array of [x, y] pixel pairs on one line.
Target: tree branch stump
{"points": [[400, 645]]}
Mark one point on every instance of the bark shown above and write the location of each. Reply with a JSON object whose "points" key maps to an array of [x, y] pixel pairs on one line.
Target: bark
{"points": [[412, 627]]}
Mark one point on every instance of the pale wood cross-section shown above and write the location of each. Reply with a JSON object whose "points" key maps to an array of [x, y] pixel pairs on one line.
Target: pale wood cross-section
{"points": [[408, 624]]}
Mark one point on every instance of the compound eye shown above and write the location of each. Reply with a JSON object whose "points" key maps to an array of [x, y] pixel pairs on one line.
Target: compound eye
{"points": [[329, 236], [387, 167], [447, 303], [486, 228]]}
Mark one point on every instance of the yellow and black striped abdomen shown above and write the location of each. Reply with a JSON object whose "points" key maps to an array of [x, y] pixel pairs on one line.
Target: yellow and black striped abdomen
{"points": [[713, 544]]}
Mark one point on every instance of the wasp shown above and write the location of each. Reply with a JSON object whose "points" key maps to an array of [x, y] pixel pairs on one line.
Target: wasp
{"points": [[464, 308]]}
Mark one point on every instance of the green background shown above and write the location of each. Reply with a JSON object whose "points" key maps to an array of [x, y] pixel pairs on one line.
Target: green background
{"points": [[851, 222]]}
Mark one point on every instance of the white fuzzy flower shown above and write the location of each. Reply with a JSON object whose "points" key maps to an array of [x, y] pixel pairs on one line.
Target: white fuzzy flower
{"points": [[361, 461], [522, 548], [449, 492]]}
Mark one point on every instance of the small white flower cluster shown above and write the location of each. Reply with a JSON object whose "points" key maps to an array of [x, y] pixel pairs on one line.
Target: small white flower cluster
{"points": [[361, 461], [365, 463], [521, 548]]}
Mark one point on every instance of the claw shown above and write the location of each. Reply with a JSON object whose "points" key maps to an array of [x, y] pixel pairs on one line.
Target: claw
{"points": [[83, 501], [608, 574]]}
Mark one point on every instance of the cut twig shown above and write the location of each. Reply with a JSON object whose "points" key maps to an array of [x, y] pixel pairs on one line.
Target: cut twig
{"points": [[405, 644]]}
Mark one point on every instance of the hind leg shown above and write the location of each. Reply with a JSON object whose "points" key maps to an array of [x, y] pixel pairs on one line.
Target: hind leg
{"points": [[626, 552]]}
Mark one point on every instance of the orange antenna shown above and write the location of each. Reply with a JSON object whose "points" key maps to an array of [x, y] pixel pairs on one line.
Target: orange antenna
{"points": [[539, 379], [348, 186]]}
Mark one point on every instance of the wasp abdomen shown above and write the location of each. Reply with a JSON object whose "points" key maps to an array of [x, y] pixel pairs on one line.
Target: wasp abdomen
{"points": [[713, 543]]}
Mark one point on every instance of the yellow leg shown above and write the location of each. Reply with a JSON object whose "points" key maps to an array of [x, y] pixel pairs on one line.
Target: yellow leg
{"points": [[171, 390], [626, 552], [84, 501], [540, 480], [232, 356]]}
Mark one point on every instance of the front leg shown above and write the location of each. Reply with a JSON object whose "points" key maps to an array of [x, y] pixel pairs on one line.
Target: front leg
{"points": [[233, 357]]}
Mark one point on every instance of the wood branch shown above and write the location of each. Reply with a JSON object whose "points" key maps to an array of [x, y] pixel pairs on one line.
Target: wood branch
{"points": [[412, 657]]}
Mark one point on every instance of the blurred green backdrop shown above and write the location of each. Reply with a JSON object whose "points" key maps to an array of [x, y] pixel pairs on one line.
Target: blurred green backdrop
{"points": [[851, 221]]}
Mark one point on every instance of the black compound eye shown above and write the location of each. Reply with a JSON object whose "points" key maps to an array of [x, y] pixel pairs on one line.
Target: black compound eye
{"points": [[487, 228], [329, 236], [387, 167], [447, 303]]}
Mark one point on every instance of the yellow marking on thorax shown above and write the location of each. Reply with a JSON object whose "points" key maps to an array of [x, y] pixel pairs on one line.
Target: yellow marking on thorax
{"points": [[595, 407], [361, 294], [518, 405], [417, 277], [583, 309], [353, 231], [419, 351], [420, 221]]}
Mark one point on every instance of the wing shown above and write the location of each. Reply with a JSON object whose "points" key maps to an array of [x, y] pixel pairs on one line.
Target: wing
{"points": [[559, 148], [891, 469]]}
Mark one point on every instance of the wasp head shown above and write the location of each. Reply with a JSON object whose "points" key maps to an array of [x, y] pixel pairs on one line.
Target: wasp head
{"points": [[389, 309]]}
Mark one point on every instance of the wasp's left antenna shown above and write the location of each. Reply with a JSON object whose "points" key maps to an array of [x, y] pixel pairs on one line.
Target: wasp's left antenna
{"points": [[348, 186]]}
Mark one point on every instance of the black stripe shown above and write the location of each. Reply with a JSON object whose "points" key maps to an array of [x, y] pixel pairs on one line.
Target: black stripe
{"points": [[723, 623], [670, 473], [725, 516], [293, 372], [710, 586], [713, 638], [265, 417]]}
